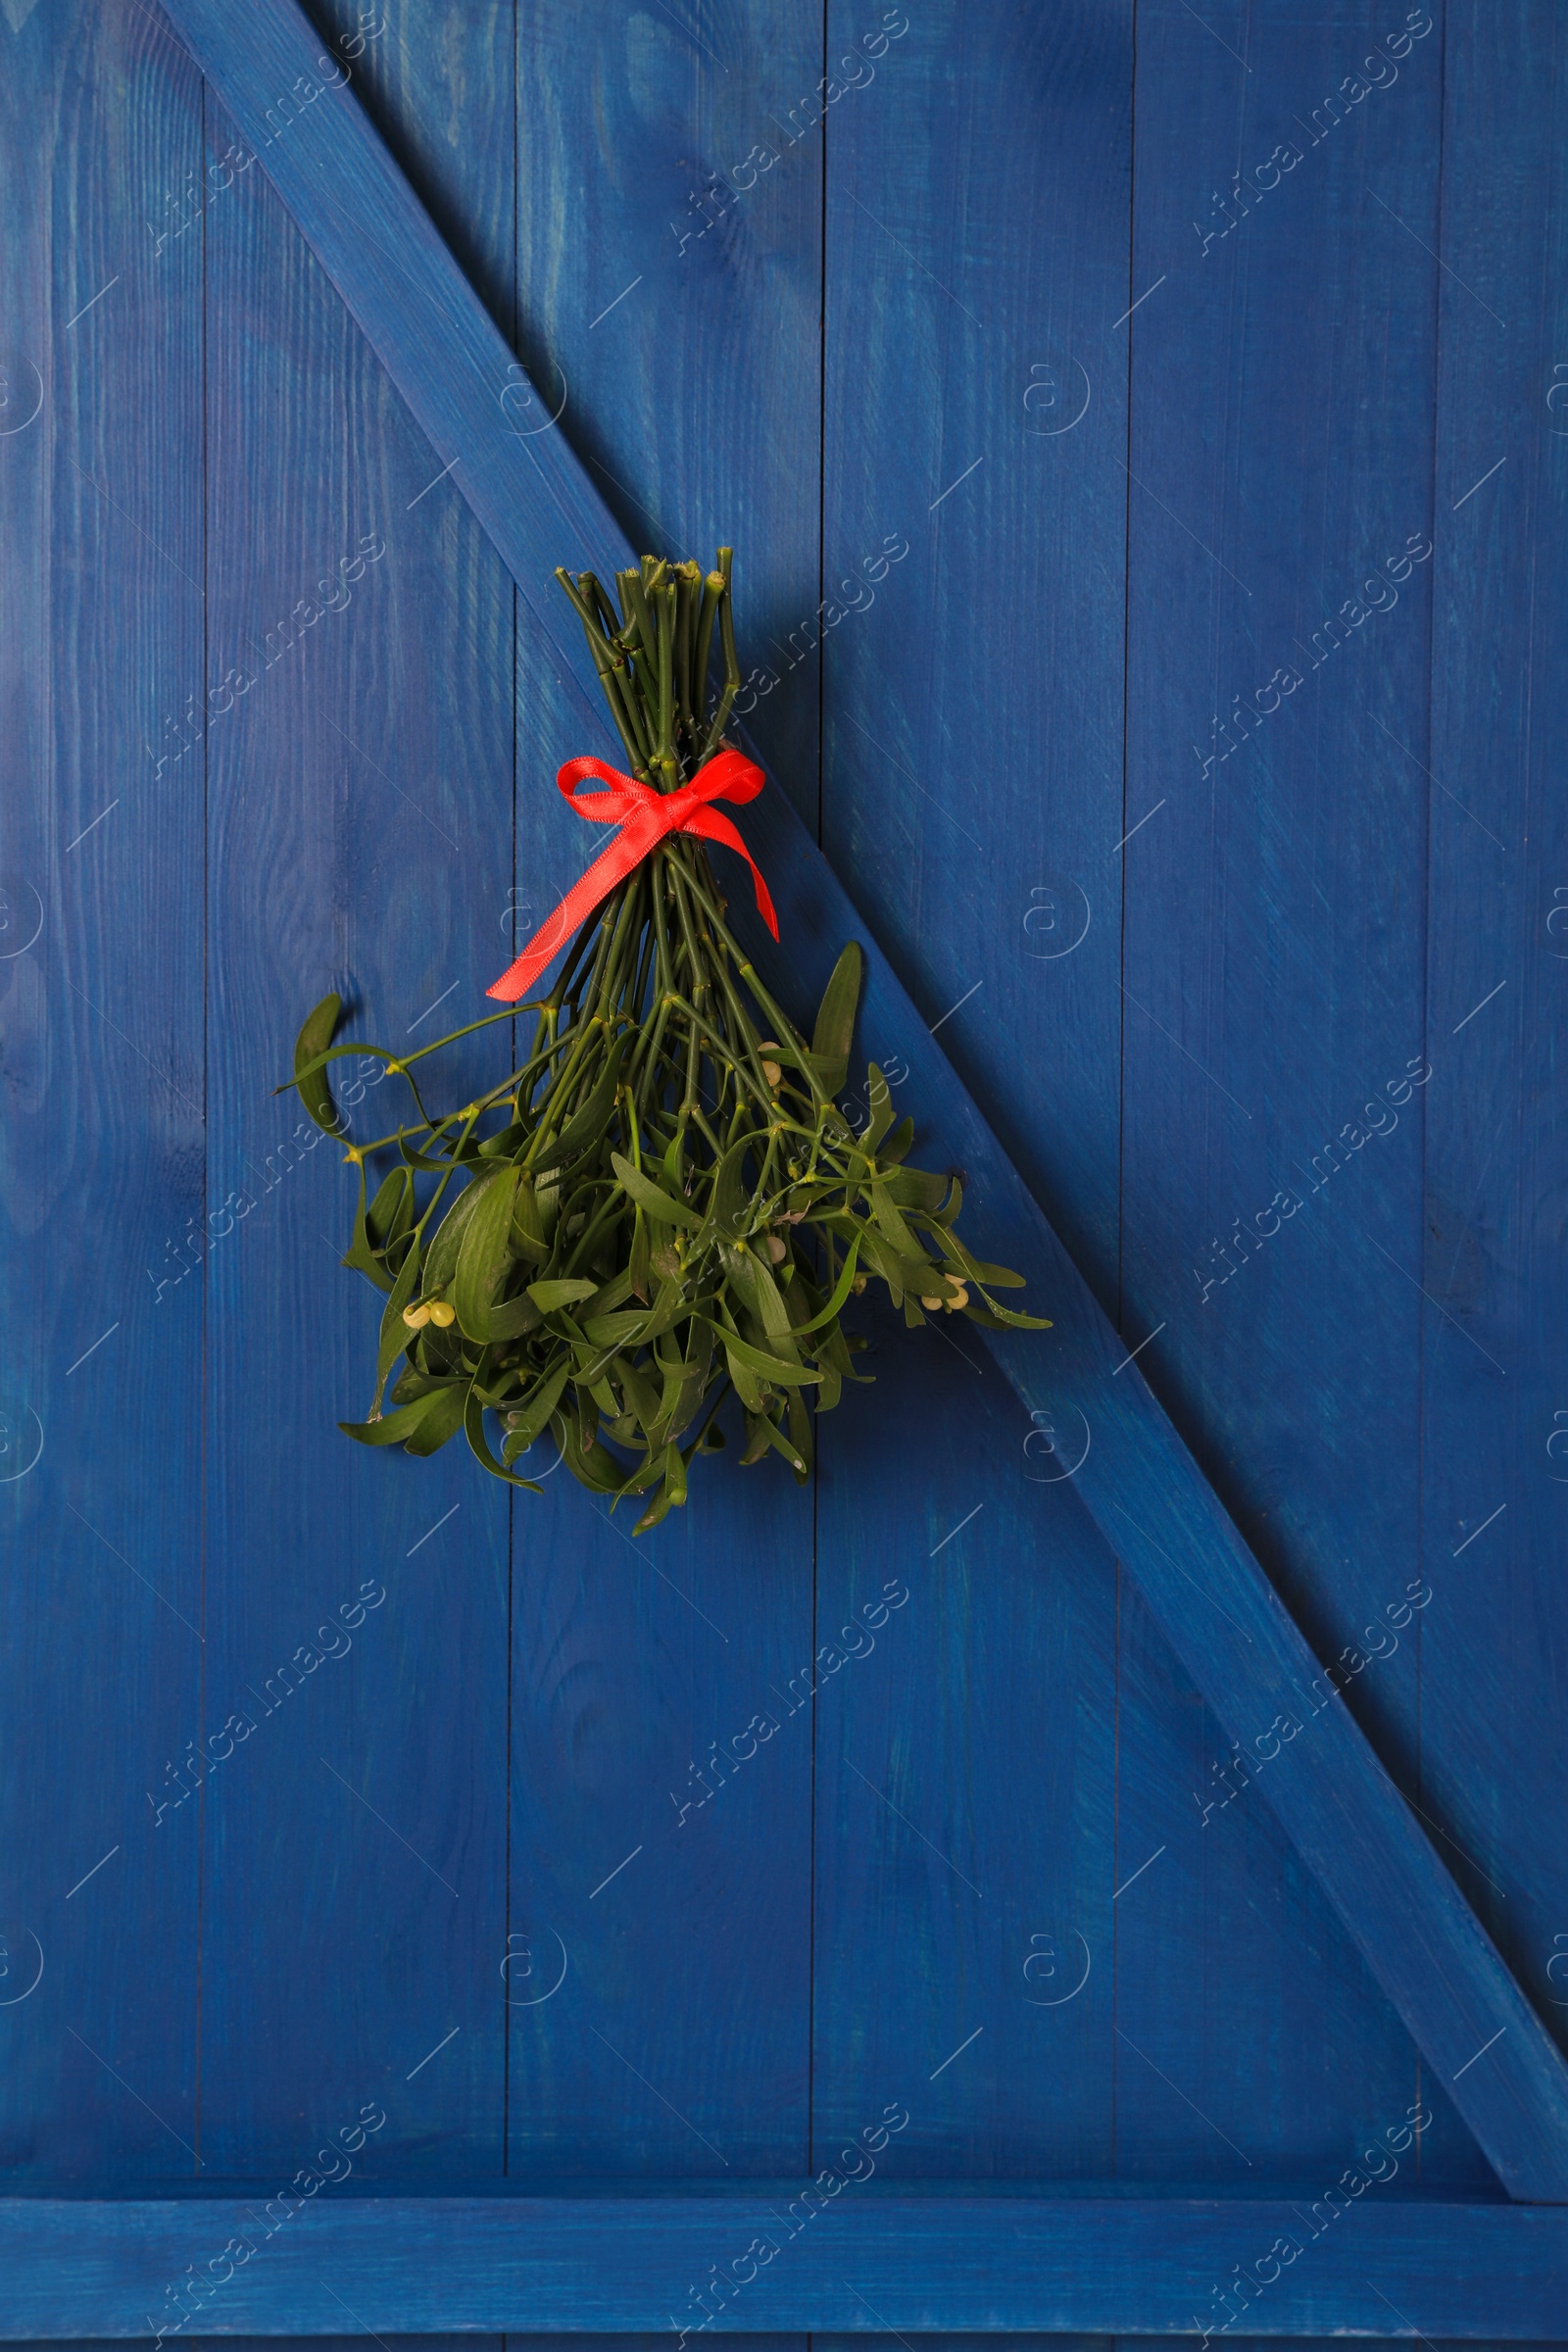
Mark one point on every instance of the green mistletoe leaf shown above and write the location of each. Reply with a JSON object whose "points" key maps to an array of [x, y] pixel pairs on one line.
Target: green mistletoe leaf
{"points": [[548, 1296], [483, 1255], [315, 1035], [648, 1195], [835, 1019]]}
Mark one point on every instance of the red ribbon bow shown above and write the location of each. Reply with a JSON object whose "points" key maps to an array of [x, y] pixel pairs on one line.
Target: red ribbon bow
{"points": [[645, 817]]}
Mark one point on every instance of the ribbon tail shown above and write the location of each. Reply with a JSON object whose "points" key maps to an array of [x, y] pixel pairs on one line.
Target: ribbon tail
{"points": [[613, 864], [519, 977], [713, 827]]}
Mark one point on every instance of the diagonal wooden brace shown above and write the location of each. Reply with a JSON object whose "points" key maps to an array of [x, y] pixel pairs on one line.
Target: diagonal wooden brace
{"points": [[1414, 1929]]}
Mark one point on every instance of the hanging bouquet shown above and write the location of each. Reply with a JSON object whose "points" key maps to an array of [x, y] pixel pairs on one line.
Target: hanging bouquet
{"points": [[664, 1201]]}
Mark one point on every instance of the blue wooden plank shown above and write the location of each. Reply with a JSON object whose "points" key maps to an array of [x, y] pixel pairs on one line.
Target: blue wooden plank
{"points": [[1238, 1989], [965, 1729], [978, 212], [1274, 980], [1494, 1488], [360, 805], [1375, 2264], [657, 1972], [679, 2040], [1421, 1940], [977, 251], [670, 308], [101, 1080]]}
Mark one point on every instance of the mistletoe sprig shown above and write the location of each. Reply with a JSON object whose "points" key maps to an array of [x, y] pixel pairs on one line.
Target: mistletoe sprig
{"points": [[664, 1201]]}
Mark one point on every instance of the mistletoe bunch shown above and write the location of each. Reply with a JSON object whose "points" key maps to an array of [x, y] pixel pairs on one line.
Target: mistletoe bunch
{"points": [[662, 1201]]}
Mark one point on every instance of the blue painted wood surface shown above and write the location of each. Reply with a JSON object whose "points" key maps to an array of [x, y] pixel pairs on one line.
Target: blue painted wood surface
{"points": [[1271, 987], [355, 606], [1008, 495], [103, 1062], [1283, 917], [864, 2263], [1422, 1941], [680, 2041], [1495, 1504]]}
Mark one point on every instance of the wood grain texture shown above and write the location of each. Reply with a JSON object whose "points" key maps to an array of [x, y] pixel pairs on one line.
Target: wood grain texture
{"points": [[101, 1084], [1494, 1505], [868, 2263], [671, 301], [977, 244], [878, 1908], [360, 785], [1283, 371], [966, 1798], [977, 259], [675, 1883], [1420, 1939]]}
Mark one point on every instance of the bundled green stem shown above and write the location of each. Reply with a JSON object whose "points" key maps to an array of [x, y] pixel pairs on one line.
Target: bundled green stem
{"points": [[663, 1201]]}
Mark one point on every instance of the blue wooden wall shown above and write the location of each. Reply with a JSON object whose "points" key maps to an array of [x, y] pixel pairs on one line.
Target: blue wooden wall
{"points": [[1144, 437]]}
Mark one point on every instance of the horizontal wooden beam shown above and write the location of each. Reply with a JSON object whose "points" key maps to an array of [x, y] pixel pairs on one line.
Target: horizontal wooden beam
{"points": [[869, 2261], [1419, 1936]]}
